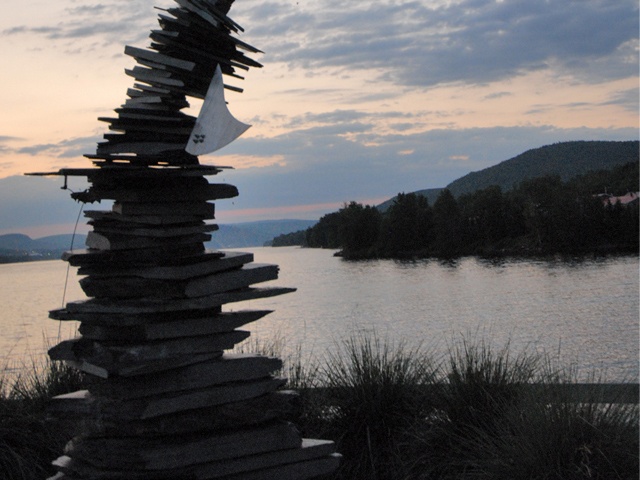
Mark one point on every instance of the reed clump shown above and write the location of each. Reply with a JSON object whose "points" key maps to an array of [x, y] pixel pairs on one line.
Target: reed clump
{"points": [[370, 400], [404, 414], [28, 440], [396, 413]]}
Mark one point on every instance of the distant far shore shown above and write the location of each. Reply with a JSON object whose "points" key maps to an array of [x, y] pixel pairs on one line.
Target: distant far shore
{"points": [[29, 257]]}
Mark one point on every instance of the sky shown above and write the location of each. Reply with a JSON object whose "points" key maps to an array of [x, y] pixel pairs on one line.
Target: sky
{"points": [[357, 101]]}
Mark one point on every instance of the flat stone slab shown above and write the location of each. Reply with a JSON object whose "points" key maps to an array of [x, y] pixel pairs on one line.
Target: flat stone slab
{"points": [[108, 328], [211, 262], [169, 254], [231, 280], [135, 454], [136, 287], [175, 193], [169, 404], [84, 411], [104, 359], [144, 220], [116, 241], [201, 209], [158, 58], [143, 368], [132, 319], [228, 368], [277, 464], [107, 228], [151, 305], [118, 171], [205, 397], [91, 414], [251, 464]]}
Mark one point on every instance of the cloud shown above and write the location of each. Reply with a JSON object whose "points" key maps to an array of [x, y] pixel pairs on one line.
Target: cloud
{"points": [[363, 125], [496, 95], [336, 116], [356, 141], [344, 170], [469, 41], [108, 22], [628, 99], [317, 167], [69, 148], [407, 42]]}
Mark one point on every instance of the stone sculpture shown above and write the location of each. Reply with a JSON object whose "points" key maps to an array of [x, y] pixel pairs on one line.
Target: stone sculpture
{"points": [[166, 400]]}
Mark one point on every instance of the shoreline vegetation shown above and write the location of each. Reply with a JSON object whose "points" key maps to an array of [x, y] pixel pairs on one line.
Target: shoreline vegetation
{"points": [[368, 395], [542, 216]]}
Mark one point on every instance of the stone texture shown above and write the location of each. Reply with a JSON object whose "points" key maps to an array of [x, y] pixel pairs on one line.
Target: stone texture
{"points": [[166, 399], [208, 263], [200, 209], [109, 217], [122, 359], [169, 193], [119, 241], [106, 227], [228, 368], [142, 329], [250, 464], [158, 453], [137, 287], [151, 305], [90, 415], [160, 255]]}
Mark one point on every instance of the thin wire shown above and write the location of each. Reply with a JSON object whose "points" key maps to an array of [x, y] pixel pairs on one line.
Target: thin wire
{"points": [[66, 280]]}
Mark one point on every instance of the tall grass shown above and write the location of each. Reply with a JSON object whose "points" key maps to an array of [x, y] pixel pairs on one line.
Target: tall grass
{"points": [[400, 413], [28, 441], [558, 440], [396, 413], [373, 389]]}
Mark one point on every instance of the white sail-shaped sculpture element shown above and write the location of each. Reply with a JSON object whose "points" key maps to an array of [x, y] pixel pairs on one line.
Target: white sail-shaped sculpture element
{"points": [[215, 126]]}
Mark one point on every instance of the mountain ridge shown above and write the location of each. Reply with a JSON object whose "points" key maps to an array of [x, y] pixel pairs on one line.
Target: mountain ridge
{"points": [[565, 159]]}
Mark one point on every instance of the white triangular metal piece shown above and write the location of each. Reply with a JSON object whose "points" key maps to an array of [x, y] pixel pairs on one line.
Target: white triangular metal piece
{"points": [[215, 126]]}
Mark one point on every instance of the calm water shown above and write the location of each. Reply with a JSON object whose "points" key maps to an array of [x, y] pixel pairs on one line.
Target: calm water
{"points": [[585, 312]]}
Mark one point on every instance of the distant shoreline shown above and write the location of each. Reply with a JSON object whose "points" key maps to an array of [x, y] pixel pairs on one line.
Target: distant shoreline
{"points": [[494, 254], [7, 259]]}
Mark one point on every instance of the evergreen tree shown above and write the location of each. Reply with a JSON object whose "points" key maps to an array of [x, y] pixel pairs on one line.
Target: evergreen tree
{"points": [[544, 215], [358, 228], [485, 215], [325, 233], [406, 226], [447, 224]]}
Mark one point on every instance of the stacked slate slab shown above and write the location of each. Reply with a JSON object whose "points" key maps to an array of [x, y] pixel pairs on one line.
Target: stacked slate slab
{"points": [[194, 41], [167, 398]]}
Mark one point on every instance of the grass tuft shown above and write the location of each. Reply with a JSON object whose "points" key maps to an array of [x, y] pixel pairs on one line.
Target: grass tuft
{"points": [[396, 413], [28, 442], [373, 392]]}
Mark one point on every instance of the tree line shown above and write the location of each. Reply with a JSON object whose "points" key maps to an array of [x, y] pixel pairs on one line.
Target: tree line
{"points": [[539, 216]]}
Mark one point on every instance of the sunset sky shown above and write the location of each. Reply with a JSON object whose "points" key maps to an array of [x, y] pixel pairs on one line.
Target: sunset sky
{"points": [[357, 100]]}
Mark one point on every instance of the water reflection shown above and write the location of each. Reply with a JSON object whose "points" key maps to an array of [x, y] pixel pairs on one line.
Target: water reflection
{"points": [[583, 311], [544, 304]]}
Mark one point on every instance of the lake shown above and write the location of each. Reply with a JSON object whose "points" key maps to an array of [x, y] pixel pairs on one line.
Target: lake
{"points": [[582, 312]]}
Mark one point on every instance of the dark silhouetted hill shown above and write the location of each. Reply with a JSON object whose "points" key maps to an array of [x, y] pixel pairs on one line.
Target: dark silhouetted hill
{"points": [[566, 160], [16, 247]]}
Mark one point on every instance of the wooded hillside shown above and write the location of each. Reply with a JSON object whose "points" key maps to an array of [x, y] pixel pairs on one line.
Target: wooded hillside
{"points": [[543, 215], [566, 159]]}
